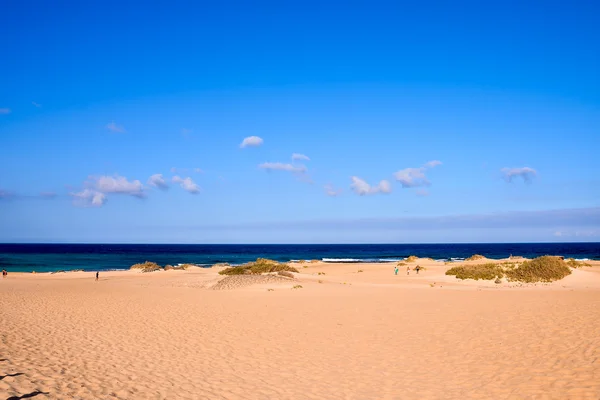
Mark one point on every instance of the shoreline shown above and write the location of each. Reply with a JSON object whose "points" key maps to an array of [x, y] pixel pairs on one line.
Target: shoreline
{"points": [[449, 262]]}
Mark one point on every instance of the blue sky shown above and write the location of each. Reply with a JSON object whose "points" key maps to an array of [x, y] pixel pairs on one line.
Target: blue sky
{"points": [[410, 121]]}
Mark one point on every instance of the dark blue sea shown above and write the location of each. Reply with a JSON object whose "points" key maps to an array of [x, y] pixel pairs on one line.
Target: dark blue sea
{"points": [[93, 257]]}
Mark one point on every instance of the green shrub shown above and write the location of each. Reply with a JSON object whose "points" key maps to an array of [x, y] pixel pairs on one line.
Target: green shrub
{"points": [[540, 269]]}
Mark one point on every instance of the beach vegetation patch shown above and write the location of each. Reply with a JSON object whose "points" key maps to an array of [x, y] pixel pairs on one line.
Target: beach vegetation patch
{"points": [[573, 263], [411, 259], [147, 266], [260, 266], [475, 257], [487, 271], [540, 269], [297, 287]]}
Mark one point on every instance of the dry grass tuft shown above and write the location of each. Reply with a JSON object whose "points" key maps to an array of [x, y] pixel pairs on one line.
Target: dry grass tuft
{"points": [[411, 259], [475, 257], [540, 269], [314, 261], [147, 266], [260, 266], [297, 287], [220, 265], [487, 271], [401, 264], [573, 263]]}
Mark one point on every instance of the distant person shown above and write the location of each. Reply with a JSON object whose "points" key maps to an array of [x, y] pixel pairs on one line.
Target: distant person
{"points": [[97, 274], [396, 270], [407, 270], [4, 273], [417, 269]]}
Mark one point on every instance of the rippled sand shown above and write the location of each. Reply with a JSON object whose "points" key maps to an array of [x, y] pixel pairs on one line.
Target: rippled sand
{"points": [[342, 335]]}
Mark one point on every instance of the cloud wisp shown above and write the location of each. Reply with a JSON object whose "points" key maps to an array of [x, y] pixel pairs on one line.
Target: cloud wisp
{"points": [[187, 184], [118, 185], [331, 191], [362, 188], [38, 105], [525, 173], [277, 166], [115, 128], [4, 111], [88, 198], [251, 141], [415, 177], [300, 157], [158, 181]]}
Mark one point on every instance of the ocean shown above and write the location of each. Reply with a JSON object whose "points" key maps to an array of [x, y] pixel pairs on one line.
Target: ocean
{"points": [[102, 257]]}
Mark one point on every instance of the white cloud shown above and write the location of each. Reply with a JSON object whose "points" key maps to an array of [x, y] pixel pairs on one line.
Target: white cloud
{"points": [[432, 164], [277, 166], [415, 177], [251, 141], [187, 184], [4, 111], [89, 198], [525, 173], [119, 185], [300, 157], [114, 128], [38, 105], [331, 191], [158, 181], [362, 188], [412, 177]]}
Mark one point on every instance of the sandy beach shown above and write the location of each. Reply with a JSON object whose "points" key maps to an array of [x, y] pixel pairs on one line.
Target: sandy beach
{"points": [[334, 331]]}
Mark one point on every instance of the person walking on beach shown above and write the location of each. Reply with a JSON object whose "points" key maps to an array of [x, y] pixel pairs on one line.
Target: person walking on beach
{"points": [[4, 273], [396, 270], [417, 269], [97, 273], [407, 270]]}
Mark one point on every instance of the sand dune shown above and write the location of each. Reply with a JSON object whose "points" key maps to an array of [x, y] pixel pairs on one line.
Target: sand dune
{"points": [[344, 335]]}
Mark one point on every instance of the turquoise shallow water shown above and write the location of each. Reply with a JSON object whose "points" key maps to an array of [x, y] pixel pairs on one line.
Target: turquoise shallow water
{"points": [[94, 257]]}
